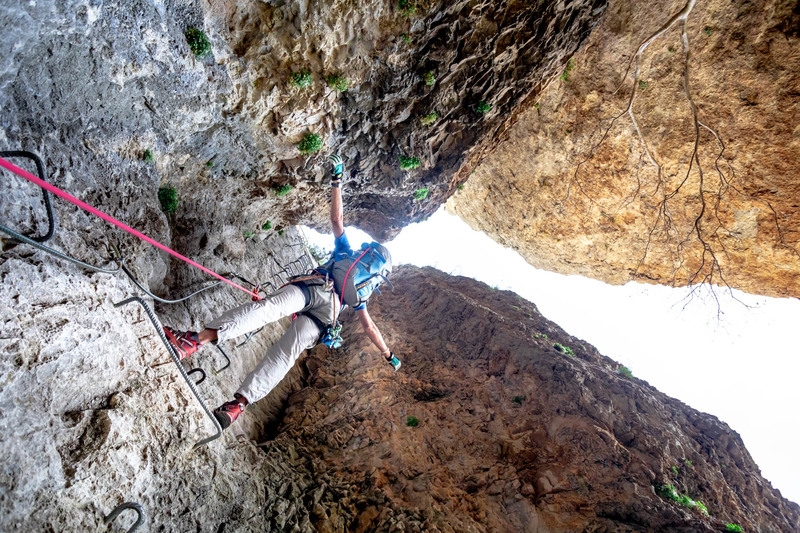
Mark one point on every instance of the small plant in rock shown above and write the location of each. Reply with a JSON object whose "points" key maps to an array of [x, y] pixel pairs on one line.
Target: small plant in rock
{"points": [[301, 79], [564, 349], [168, 198], [283, 190], [536, 105], [518, 400], [430, 78], [625, 372], [266, 225], [408, 162], [406, 8], [429, 119], [567, 70], [247, 233], [707, 30], [209, 163], [147, 156], [198, 42], [420, 194], [687, 462], [483, 107], [280, 232], [642, 85], [668, 492], [687, 501], [736, 528], [406, 38], [460, 187], [310, 144], [674, 470], [540, 335], [337, 82], [412, 421]]}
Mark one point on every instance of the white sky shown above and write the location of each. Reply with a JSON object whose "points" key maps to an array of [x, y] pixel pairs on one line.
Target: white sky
{"points": [[742, 367]]}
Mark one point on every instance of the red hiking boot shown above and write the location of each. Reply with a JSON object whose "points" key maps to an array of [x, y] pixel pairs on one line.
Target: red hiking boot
{"points": [[185, 343], [227, 413]]}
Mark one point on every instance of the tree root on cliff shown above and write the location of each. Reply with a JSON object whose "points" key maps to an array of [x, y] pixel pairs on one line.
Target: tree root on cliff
{"points": [[705, 226]]}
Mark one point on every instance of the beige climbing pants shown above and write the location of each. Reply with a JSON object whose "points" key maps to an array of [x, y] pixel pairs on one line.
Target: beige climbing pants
{"points": [[303, 333]]}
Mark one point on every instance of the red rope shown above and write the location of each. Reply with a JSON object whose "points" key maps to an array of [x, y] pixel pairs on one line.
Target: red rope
{"points": [[58, 192]]}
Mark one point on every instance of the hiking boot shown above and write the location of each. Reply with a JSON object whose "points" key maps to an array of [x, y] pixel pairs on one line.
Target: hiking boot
{"points": [[185, 343], [394, 361], [227, 413]]}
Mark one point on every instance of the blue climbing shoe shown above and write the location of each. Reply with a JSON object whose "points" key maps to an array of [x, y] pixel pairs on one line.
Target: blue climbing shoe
{"points": [[394, 361]]}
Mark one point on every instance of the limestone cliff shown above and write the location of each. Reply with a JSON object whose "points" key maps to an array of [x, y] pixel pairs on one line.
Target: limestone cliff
{"points": [[93, 86], [704, 190], [491, 424], [511, 433]]}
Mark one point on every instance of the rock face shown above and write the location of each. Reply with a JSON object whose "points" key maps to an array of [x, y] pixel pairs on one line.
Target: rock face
{"points": [[511, 434], [575, 188], [508, 433], [92, 86]]}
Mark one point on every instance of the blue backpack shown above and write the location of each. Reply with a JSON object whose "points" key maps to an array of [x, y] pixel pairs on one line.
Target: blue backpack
{"points": [[356, 278]]}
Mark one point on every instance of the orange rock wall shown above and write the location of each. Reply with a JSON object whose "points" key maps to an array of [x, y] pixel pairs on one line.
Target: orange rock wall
{"points": [[576, 189]]}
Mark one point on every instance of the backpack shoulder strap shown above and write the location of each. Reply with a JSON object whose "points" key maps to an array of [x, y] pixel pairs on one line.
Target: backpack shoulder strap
{"points": [[347, 275]]}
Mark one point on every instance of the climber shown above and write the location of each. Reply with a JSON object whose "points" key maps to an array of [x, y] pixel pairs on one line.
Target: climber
{"points": [[316, 299]]}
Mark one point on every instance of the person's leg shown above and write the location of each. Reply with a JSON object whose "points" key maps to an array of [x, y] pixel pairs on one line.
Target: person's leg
{"points": [[253, 315], [239, 320], [302, 334]]}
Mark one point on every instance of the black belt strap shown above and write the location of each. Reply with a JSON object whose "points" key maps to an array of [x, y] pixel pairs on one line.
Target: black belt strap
{"points": [[307, 295]]}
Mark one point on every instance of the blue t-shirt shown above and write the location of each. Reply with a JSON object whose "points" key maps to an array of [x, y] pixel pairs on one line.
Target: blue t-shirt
{"points": [[343, 250]]}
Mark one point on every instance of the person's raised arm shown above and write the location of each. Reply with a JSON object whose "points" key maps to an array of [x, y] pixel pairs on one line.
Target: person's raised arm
{"points": [[337, 211], [374, 334]]}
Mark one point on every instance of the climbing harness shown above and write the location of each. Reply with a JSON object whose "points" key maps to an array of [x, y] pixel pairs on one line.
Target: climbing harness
{"points": [[123, 506]]}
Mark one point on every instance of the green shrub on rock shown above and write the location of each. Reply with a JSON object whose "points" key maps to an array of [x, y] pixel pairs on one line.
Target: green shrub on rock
{"points": [[409, 162], [337, 82], [310, 144], [168, 198], [283, 190], [301, 79], [429, 119], [421, 194], [198, 42]]}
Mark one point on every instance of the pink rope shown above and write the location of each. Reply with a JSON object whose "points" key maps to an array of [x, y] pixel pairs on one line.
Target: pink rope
{"points": [[83, 205], [347, 274]]}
